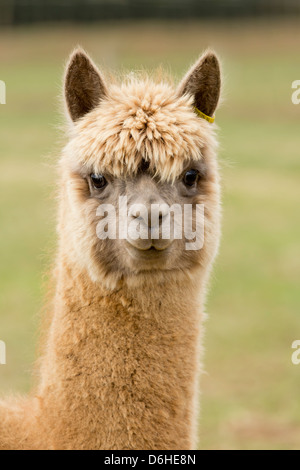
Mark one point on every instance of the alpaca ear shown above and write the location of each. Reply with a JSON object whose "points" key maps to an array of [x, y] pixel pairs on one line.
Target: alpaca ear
{"points": [[203, 82], [84, 87]]}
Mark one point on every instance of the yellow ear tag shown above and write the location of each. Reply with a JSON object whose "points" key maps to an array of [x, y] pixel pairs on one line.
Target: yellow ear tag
{"points": [[209, 119]]}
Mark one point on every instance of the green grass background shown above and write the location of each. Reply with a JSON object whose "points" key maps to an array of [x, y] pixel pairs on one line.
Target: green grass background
{"points": [[251, 390]]}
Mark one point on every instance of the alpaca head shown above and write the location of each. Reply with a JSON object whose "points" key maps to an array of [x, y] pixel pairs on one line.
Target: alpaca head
{"points": [[137, 150]]}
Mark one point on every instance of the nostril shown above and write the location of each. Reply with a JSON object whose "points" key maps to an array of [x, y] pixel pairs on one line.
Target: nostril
{"points": [[141, 220], [159, 213], [164, 214], [162, 218], [139, 213]]}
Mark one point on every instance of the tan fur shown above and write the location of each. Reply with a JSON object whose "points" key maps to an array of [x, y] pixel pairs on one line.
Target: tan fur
{"points": [[121, 360]]}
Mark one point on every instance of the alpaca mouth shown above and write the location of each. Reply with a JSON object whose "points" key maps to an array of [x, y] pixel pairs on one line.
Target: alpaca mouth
{"points": [[152, 253]]}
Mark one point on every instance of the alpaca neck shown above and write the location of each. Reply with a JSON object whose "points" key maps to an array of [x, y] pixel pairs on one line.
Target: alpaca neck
{"points": [[121, 366]]}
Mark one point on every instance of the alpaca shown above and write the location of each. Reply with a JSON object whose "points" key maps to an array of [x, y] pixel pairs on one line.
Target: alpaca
{"points": [[121, 359]]}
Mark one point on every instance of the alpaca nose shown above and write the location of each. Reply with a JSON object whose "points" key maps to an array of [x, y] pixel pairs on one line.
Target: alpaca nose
{"points": [[151, 214], [151, 221], [157, 214]]}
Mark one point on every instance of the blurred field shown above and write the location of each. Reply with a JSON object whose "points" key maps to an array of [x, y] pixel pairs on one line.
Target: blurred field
{"points": [[251, 391]]}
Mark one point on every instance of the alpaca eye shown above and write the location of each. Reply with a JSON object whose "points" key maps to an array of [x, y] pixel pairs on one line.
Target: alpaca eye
{"points": [[99, 181], [191, 177]]}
